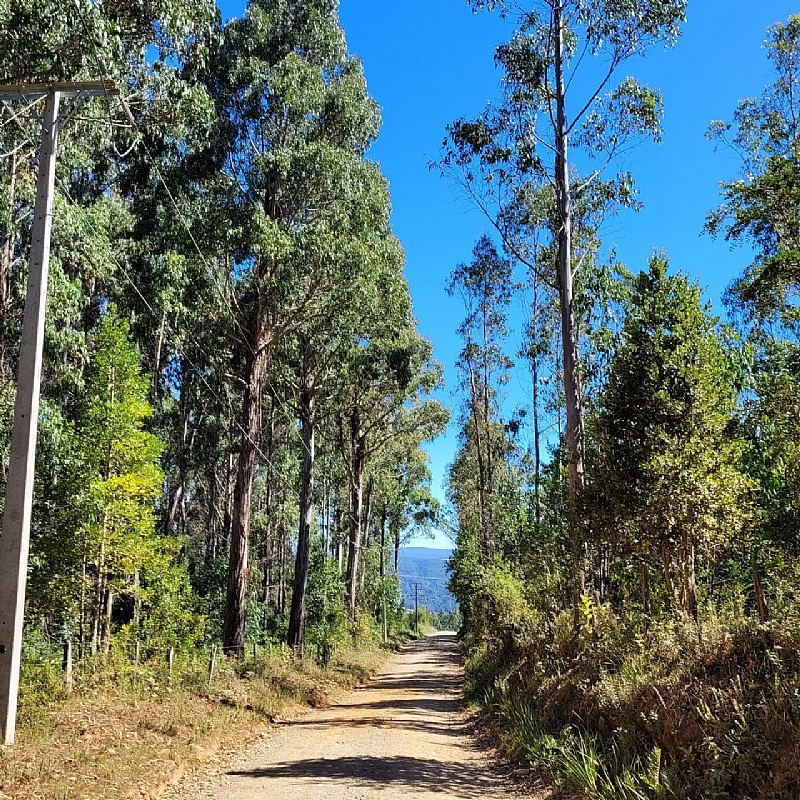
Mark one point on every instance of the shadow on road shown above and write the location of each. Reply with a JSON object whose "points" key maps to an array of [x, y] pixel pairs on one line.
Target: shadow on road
{"points": [[413, 774], [424, 697]]}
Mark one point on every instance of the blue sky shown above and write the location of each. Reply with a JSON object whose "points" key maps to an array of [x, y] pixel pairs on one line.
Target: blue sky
{"points": [[429, 62]]}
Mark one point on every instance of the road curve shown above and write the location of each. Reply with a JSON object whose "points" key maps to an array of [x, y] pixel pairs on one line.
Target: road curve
{"points": [[405, 733]]}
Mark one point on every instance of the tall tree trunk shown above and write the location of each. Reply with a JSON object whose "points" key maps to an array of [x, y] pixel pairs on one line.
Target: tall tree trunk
{"points": [[356, 511], [572, 390], [239, 566], [368, 510], [489, 507], [666, 558], [382, 567], [297, 615], [215, 517], [177, 505], [266, 544], [537, 444], [106, 625], [326, 521], [283, 559], [486, 539], [340, 535], [99, 591], [365, 538], [83, 621], [396, 549]]}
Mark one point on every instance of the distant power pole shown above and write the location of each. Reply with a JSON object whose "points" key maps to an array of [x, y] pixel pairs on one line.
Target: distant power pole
{"points": [[15, 535], [416, 607]]}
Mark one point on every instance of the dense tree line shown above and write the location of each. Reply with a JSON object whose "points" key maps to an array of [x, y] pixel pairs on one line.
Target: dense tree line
{"points": [[235, 394], [629, 598]]}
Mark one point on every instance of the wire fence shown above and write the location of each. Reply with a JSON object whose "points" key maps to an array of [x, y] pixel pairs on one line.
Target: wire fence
{"points": [[49, 667]]}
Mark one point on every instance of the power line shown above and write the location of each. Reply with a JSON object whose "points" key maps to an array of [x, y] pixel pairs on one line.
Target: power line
{"points": [[179, 212], [180, 351], [184, 223]]}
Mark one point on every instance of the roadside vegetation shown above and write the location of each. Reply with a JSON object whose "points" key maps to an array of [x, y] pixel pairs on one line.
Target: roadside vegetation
{"points": [[128, 730], [627, 558], [235, 396], [236, 402]]}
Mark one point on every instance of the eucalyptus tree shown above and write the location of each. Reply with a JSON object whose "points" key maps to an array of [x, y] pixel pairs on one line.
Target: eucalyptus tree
{"points": [[43, 42], [144, 47], [485, 286], [559, 97], [761, 206], [295, 123], [323, 344], [384, 400]]}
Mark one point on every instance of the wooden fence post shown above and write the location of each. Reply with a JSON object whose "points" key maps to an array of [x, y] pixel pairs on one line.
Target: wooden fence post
{"points": [[211, 663], [171, 659], [67, 664]]}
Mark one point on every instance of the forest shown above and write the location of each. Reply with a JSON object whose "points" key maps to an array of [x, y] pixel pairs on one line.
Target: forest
{"points": [[235, 395], [629, 584], [236, 399]]}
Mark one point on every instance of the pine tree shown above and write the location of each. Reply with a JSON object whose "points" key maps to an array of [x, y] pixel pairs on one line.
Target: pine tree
{"points": [[665, 484]]}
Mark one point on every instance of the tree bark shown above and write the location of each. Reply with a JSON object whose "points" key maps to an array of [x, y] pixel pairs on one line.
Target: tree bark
{"points": [[365, 528], [267, 543], [486, 540], [340, 533], [572, 389], [297, 615], [239, 566], [396, 549], [356, 511], [282, 559], [382, 567], [106, 626], [537, 444], [99, 592]]}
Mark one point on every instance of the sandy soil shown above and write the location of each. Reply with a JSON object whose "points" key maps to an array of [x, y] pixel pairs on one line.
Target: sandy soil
{"points": [[405, 733]]}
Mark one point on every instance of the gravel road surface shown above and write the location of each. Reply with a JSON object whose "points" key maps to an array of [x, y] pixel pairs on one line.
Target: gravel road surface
{"points": [[405, 734]]}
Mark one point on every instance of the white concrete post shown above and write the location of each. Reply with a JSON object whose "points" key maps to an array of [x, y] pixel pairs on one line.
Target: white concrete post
{"points": [[15, 536]]}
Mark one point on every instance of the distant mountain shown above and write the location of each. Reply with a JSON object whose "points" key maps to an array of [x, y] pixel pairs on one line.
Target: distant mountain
{"points": [[426, 568]]}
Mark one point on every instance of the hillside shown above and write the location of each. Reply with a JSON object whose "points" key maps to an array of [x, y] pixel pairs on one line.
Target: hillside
{"points": [[427, 568]]}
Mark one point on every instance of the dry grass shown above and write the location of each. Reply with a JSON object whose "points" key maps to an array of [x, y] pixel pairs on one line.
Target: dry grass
{"points": [[108, 743]]}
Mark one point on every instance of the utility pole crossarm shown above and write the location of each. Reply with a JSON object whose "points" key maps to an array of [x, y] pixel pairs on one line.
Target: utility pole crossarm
{"points": [[23, 91]]}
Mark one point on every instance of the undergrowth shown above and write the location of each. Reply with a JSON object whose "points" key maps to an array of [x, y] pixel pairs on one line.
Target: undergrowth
{"points": [[684, 711]]}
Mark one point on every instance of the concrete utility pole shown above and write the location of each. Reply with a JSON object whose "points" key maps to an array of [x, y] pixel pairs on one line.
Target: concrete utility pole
{"points": [[15, 535]]}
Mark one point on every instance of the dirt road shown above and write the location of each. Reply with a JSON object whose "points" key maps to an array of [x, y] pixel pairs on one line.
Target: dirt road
{"points": [[405, 733]]}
